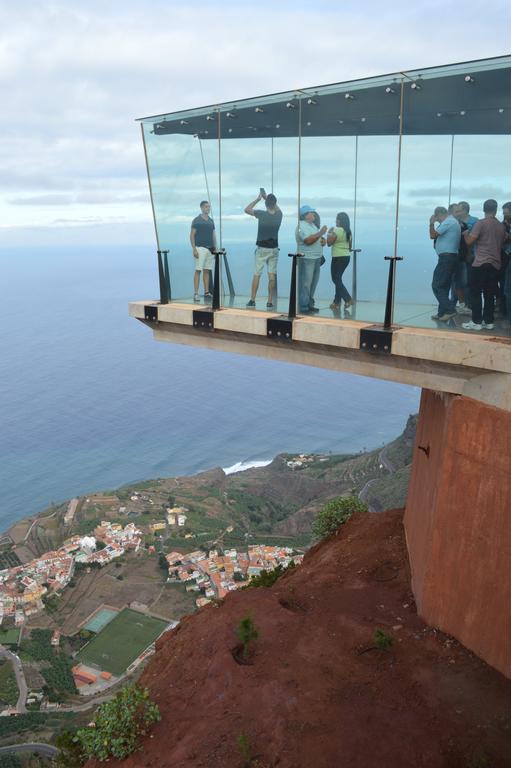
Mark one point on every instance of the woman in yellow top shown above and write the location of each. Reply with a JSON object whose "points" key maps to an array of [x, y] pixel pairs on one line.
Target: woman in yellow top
{"points": [[339, 239]]}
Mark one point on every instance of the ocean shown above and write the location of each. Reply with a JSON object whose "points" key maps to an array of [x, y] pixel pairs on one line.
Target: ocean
{"points": [[89, 401]]}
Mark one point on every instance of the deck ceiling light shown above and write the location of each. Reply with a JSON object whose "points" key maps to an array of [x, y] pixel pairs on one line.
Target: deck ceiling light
{"points": [[439, 114], [184, 122], [277, 125], [231, 114], [362, 119], [462, 113], [415, 86], [210, 117], [348, 96], [501, 111], [341, 122], [309, 123], [469, 79], [290, 105], [259, 109], [311, 101]]}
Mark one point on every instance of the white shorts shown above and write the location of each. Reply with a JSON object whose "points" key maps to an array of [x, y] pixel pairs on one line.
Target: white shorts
{"points": [[204, 260], [268, 256]]}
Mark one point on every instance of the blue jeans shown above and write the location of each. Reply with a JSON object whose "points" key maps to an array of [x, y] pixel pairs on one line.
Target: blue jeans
{"points": [[441, 284], [308, 276]]}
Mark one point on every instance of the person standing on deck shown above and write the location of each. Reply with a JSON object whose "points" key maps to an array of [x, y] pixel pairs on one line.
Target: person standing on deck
{"points": [[203, 242], [339, 239], [446, 232], [267, 244]]}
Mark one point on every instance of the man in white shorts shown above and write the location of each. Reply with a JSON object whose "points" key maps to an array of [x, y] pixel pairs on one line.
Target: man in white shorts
{"points": [[267, 250], [203, 242]]}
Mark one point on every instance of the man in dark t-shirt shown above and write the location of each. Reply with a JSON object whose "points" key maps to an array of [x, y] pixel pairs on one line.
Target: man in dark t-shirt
{"points": [[267, 250], [203, 242]]}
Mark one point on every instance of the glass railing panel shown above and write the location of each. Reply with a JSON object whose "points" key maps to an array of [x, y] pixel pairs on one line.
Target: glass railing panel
{"points": [[438, 172], [349, 163], [257, 162], [183, 173]]}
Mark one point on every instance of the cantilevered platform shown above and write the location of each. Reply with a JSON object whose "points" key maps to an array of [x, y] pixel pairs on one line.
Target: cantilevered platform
{"points": [[477, 365]]}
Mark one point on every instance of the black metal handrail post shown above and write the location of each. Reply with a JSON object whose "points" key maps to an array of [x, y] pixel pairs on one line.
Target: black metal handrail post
{"points": [[294, 284], [354, 273], [216, 278], [167, 275], [164, 297], [391, 285]]}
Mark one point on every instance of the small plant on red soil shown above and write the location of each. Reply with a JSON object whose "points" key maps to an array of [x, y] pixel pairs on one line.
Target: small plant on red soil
{"points": [[244, 747], [335, 513], [247, 634], [382, 641]]}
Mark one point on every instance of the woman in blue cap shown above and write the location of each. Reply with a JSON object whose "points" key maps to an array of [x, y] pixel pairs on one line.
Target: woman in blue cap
{"points": [[310, 241]]}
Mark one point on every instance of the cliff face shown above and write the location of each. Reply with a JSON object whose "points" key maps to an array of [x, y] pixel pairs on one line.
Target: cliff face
{"points": [[317, 692]]}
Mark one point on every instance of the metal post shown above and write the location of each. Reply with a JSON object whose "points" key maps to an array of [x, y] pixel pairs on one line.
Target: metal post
{"points": [[220, 175], [164, 299], [216, 279], [354, 232], [167, 275], [294, 284]]}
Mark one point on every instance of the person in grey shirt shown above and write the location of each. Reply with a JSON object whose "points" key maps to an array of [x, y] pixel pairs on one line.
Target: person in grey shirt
{"points": [[310, 241], [445, 230]]}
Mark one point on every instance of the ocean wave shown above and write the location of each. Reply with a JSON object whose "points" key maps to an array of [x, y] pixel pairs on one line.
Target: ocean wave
{"points": [[241, 466]]}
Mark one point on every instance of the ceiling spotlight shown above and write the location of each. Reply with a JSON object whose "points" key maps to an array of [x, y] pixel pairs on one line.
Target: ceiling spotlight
{"points": [[462, 112], [210, 117], [259, 109], [501, 111], [309, 123], [183, 122], [341, 122], [388, 89], [348, 96], [439, 114], [362, 119], [311, 101], [231, 114], [469, 79], [290, 105], [415, 86], [230, 130], [277, 125]]}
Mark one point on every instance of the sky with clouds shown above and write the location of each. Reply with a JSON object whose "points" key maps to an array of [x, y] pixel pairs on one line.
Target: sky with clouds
{"points": [[75, 75]]}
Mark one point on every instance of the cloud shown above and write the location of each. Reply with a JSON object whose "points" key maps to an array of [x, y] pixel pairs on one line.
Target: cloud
{"points": [[75, 75]]}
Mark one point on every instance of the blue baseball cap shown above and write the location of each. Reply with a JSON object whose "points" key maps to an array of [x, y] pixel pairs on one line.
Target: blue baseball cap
{"points": [[306, 209]]}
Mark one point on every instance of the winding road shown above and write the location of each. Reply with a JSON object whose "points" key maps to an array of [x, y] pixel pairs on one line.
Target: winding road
{"points": [[42, 749], [385, 462], [20, 678]]}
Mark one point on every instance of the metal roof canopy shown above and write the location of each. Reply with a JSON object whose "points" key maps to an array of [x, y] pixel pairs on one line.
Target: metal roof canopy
{"points": [[469, 98]]}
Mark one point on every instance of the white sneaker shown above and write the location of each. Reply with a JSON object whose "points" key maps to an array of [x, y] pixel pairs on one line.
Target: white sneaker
{"points": [[488, 326], [196, 297], [472, 326]]}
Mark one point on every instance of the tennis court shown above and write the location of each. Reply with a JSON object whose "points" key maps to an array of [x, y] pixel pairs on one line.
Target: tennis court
{"points": [[100, 619]]}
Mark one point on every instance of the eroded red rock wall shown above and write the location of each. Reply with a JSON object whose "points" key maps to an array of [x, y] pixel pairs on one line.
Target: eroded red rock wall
{"points": [[458, 523]]}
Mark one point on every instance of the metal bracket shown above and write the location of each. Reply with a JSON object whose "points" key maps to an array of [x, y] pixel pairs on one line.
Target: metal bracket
{"points": [[151, 312], [203, 319], [376, 338], [279, 328]]}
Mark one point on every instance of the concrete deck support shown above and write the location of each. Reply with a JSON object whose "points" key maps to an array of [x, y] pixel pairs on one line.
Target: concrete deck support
{"points": [[458, 523]]}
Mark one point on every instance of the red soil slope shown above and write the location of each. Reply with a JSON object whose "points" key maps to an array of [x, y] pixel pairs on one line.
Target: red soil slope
{"points": [[316, 695]]}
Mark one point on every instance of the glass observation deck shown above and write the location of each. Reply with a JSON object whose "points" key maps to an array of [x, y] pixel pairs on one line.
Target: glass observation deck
{"points": [[386, 151]]}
